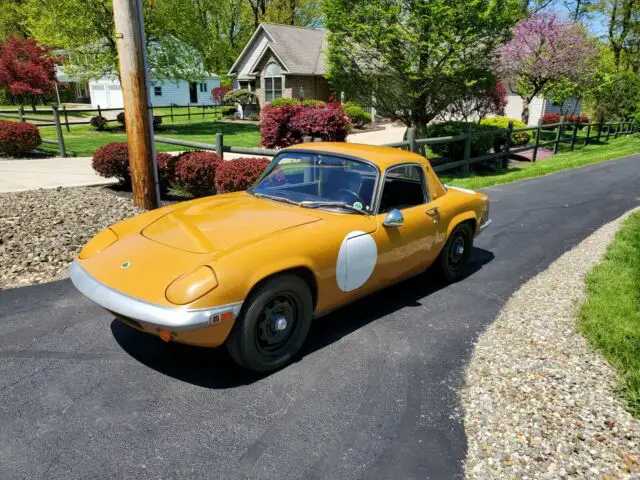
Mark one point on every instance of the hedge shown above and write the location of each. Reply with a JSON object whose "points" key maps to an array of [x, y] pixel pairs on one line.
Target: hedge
{"points": [[455, 150], [239, 174], [18, 138], [112, 160], [357, 114], [196, 171], [517, 138]]}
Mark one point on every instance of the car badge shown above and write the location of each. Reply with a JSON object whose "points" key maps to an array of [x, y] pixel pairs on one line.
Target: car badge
{"points": [[358, 205], [125, 265]]}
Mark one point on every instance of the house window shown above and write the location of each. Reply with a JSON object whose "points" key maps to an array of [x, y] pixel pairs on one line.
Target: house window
{"points": [[157, 91], [203, 87], [272, 82]]}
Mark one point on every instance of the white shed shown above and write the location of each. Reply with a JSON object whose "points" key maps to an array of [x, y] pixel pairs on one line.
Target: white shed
{"points": [[107, 92]]}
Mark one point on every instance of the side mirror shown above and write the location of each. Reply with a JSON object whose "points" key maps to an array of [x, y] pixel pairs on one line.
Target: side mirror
{"points": [[394, 218]]}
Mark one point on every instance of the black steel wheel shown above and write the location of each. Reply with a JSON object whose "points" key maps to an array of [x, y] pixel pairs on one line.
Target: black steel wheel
{"points": [[273, 324], [456, 252]]}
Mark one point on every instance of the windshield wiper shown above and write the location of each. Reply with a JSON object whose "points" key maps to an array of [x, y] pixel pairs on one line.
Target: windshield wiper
{"points": [[321, 203], [276, 198]]}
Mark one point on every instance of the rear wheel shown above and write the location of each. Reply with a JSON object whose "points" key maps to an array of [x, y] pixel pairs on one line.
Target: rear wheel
{"points": [[456, 252], [273, 324]]}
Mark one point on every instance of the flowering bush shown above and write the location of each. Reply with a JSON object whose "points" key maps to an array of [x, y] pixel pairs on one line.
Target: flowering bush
{"points": [[289, 124], [196, 171], [112, 160], [218, 93], [17, 138], [98, 122], [239, 174], [549, 118], [166, 170]]}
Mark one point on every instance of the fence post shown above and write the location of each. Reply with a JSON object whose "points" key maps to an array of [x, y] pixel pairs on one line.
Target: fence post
{"points": [[586, 140], [507, 146], [21, 113], [171, 110], [203, 111], [608, 131], [99, 111], [537, 141], [220, 145], [66, 117], [307, 139], [558, 135], [188, 112], [411, 138], [466, 167], [56, 120], [575, 134]]}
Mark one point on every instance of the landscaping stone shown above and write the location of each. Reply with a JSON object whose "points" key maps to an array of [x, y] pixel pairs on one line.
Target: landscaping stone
{"points": [[42, 230], [539, 402]]}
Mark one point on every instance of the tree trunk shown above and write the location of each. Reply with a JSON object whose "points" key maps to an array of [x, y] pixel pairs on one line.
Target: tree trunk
{"points": [[525, 110]]}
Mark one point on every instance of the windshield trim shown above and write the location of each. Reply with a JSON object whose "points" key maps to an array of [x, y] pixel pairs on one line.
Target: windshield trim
{"points": [[376, 187]]}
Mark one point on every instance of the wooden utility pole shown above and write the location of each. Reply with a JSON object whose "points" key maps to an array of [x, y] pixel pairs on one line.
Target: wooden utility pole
{"points": [[130, 41]]}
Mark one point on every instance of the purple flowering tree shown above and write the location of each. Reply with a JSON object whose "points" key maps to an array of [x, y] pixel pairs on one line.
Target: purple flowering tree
{"points": [[545, 51]]}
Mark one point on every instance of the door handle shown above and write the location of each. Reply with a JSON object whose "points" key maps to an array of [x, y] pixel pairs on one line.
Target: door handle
{"points": [[433, 212]]}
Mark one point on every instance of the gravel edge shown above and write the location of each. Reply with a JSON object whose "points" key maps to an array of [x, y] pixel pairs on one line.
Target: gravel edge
{"points": [[538, 401]]}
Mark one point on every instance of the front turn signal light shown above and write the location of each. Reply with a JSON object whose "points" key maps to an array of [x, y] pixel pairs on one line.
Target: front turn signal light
{"points": [[102, 240], [192, 286]]}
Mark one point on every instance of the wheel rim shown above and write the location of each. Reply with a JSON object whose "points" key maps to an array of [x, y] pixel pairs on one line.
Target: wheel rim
{"points": [[457, 251], [277, 323]]}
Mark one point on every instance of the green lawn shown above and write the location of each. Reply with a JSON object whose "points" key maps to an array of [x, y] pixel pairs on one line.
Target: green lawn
{"points": [[617, 148], [610, 317], [83, 140]]}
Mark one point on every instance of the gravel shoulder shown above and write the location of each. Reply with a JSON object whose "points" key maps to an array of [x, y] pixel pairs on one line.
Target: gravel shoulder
{"points": [[539, 402], [42, 230]]}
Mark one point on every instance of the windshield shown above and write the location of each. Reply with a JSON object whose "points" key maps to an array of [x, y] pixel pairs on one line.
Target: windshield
{"points": [[319, 181]]}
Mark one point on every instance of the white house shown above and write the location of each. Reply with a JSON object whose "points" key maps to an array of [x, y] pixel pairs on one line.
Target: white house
{"points": [[107, 93], [538, 106]]}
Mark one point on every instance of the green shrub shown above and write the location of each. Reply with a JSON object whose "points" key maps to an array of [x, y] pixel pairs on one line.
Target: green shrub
{"points": [[517, 138], [455, 150], [278, 102], [313, 102], [357, 114]]}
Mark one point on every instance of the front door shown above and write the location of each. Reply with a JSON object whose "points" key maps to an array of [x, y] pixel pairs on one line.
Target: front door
{"points": [[193, 92], [406, 249]]}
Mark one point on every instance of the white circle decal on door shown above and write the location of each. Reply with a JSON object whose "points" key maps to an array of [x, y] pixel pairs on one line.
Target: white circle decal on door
{"points": [[356, 260]]}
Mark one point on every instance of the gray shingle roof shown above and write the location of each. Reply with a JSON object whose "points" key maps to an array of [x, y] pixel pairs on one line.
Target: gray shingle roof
{"points": [[301, 49]]}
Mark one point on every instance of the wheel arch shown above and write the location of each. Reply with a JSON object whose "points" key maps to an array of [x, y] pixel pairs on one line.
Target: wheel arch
{"points": [[465, 217], [305, 273]]}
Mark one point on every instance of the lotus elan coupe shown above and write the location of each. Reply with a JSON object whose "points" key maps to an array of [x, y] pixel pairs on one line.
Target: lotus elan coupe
{"points": [[325, 224]]}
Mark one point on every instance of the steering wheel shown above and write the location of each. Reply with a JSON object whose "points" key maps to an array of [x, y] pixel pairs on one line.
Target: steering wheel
{"points": [[353, 197]]}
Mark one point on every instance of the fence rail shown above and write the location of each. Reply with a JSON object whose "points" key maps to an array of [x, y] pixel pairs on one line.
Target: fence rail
{"points": [[594, 133]]}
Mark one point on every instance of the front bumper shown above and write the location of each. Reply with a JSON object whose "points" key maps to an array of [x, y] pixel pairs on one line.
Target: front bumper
{"points": [[484, 225], [148, 314]]}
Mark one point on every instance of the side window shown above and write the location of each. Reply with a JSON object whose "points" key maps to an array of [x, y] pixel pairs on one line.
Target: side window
{"points": [[404, 187]]}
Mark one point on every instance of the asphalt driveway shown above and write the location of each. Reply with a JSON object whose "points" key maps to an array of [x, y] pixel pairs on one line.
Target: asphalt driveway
{"points": [[373, 396]]}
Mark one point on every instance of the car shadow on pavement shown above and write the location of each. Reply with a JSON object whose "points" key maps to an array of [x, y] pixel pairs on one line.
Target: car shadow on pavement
{"points": [[213, 368]]}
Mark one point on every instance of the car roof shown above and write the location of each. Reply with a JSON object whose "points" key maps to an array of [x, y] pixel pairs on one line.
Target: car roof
{"points": [[383, 157]]}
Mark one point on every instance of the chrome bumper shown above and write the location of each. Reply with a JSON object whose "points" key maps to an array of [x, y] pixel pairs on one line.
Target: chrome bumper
{"points": [[484, 225], [154, 315]]}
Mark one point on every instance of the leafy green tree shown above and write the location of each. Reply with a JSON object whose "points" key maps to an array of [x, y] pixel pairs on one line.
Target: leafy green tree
{"points": [[415, 57], [85, 29]]}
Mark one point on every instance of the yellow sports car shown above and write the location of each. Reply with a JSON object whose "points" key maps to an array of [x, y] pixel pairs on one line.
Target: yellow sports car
{"points": [[325, 224]]}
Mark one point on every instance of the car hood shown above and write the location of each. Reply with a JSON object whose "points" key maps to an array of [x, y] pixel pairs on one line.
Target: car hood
{"points": [[222, 222]]}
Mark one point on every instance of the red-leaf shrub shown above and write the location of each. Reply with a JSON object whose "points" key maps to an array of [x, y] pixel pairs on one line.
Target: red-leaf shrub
{"points": [[239, 174], [16, 138], [112, 160], [549, 118], [289, 124], [26, 68], [166, 170], [218, 93], [196, 171], [98, 122], [274, 126], [577, 118]]}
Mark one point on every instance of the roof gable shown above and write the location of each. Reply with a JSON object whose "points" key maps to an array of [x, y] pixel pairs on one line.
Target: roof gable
{"points": [[299, 49]]}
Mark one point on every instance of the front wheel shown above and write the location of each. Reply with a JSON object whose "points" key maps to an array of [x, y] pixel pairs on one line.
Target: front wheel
{"points": [[273, 324], [456, 252]]}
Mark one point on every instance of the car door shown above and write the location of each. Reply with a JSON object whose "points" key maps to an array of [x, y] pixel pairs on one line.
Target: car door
{"points": [[406, 248]]}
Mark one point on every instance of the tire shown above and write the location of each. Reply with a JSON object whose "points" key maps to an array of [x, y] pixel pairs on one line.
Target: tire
{"points": [[260, 340], [452, 261]]}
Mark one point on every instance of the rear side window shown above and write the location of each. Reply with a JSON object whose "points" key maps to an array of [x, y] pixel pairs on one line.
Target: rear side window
{"points": [[404, 187]]}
